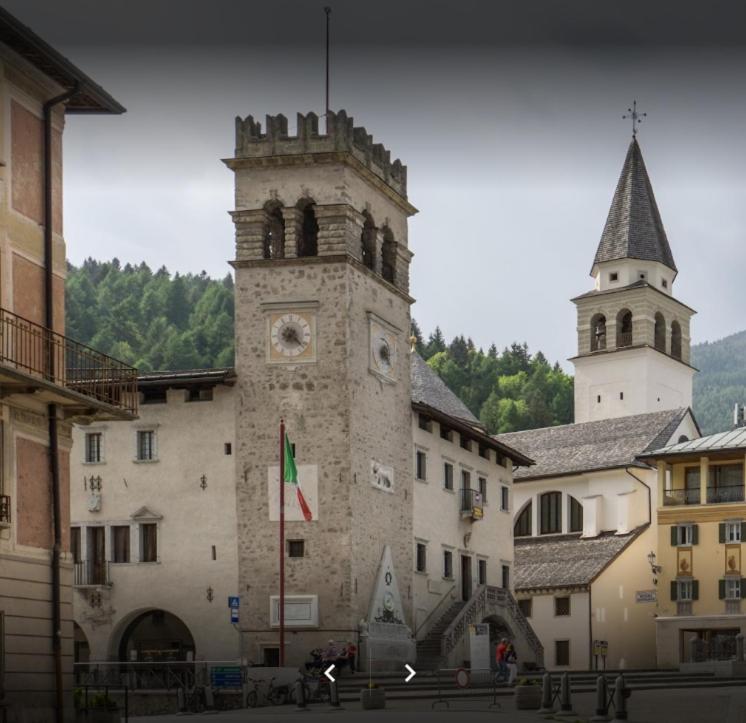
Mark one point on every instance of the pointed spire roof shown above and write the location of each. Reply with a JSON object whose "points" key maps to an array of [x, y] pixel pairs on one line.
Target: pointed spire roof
{"points": [[634, 228]]}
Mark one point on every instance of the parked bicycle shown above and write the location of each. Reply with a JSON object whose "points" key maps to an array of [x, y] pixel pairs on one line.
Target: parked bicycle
{"points": [[195, 699], [316, 689], [266, 692]]}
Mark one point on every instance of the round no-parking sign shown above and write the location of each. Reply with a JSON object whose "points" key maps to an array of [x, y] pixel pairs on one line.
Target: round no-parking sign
{"points": [[462, 678]]}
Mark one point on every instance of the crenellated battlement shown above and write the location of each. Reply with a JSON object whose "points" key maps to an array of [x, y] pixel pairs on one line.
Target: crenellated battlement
{"points": [[341, 135]]}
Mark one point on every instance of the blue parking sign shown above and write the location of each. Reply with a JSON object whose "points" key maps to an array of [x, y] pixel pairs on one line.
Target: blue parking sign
{"points": [[234, 601], [234, 615]]}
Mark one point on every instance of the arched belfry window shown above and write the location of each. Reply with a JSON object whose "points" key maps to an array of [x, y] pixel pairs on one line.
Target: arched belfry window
{"points": [[660, 332], [368, 241], [522, 527], [274, 233], [598, 332], [550, 513], [388, 256], [676, 340], [624, 328], [309, 230]]}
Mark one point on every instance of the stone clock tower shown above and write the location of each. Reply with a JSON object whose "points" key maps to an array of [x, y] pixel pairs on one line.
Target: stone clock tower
{"points": [[322, 327]]}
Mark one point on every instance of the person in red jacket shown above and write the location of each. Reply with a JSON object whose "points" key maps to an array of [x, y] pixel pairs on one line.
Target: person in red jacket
{"points": [[502, 666]]}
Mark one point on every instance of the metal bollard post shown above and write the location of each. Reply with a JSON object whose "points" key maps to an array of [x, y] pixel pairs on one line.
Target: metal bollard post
{"points": [[547, 694], [601, 698], [566, 696], [180, 700], [300, 694], [333, 694], [620, 699]]}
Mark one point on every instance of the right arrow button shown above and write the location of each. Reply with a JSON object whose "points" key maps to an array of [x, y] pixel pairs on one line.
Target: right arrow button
{"points": [[412, 672]]}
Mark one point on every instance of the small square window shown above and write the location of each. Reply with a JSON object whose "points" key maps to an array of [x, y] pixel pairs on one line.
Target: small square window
{"points": [[613, 276], [421, 557], [525, 606], [93, 447], [465, 443], [482, 572], [446, 433], [425, 424], [685, 590], [421, 465], [561, 606], [484, 452], [296, 548], [448, 475], [732, 531], [561, 652], [146, 445], [664, 283], [228, 448], [683, 535], [733, 588]]}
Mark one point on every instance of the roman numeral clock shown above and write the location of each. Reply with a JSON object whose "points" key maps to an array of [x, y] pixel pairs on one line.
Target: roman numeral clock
{"points": [[291, 335]]}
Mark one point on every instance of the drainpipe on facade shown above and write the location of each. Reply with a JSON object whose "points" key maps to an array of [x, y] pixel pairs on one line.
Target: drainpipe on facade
{"points": [[54, 466]]}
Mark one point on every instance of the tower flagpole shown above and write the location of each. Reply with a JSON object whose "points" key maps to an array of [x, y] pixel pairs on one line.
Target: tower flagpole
{"points": [[282, 542], [328, 12]]}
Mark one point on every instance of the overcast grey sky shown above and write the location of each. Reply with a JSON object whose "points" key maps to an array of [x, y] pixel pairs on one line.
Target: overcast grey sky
{"points": [[508, 116]]}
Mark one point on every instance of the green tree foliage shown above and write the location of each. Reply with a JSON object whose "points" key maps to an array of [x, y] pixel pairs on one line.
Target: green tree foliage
{"points": [[508, 390], [151, 320], [720, 382]]}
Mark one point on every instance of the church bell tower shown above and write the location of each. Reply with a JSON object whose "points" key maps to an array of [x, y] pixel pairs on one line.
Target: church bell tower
{"points": [[633, 334], [322, 329]]}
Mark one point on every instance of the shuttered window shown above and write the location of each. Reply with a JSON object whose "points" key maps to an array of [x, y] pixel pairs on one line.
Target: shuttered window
{"points": [[149, 542]]}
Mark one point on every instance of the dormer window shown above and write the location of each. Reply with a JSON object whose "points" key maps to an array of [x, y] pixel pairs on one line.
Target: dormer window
{"points": [[613, 276], [664, 283]]}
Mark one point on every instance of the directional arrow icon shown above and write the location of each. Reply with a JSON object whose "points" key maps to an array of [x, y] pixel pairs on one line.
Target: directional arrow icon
{"points": [[412, 672], [328, 673]]}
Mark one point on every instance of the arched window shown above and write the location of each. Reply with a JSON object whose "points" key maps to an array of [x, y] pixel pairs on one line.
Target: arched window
{"points": [[676, 340], [624, 328], [522, 527], [598, 332], [368, 241], [660, 332], [388, 256], [274, 232], [682, 438], [576, 515], [550, 517], [309, 230]]}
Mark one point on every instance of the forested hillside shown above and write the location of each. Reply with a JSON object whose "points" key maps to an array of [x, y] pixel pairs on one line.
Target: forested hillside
{"points": [[721, 381], [156, 320]]}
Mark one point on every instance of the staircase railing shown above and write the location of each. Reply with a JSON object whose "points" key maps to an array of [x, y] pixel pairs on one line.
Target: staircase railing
{"points": [[485, 601], [446, 596]]}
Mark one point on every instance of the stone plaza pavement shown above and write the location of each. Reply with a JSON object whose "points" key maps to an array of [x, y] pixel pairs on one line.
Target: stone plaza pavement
{"points": [[710, 705]]}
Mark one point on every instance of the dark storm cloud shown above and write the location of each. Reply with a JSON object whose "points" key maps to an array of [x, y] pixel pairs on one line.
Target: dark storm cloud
{"points": [[386, 22]]}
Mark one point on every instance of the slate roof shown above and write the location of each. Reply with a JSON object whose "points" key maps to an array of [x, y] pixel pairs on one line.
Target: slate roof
{"points": [[734, 439], [564, 561], [634, 228], [605, 444], [428, 388]]}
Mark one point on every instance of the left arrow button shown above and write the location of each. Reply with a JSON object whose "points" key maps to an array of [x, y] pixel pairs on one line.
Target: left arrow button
{"points": [[328, 673]]}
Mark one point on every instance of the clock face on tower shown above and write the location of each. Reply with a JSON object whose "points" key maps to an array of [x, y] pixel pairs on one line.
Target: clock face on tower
{"points": [[383, 349], [291, 337]]}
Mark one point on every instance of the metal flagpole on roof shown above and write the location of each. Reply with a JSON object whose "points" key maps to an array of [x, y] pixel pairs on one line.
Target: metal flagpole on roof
{"points": [[282, 542], [328, 12]]}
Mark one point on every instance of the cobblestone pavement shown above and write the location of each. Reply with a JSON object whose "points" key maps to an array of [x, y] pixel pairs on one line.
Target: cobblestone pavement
{"points": [[715, 705]]}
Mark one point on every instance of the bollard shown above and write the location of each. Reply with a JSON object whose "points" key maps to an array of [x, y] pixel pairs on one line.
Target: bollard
{"points": [[209, 698], [547, 694], [739, 647], [300, 694], [601, 698], [333, 694], [566, 696], [180, 701], [620, 699]]}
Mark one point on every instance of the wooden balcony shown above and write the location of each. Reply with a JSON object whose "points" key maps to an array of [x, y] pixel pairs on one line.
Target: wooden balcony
{"points": [[37, 361], [91, 573]]}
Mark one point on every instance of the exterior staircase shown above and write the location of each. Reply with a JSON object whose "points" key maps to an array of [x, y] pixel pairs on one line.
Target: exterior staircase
{"points": [[429, 647]]}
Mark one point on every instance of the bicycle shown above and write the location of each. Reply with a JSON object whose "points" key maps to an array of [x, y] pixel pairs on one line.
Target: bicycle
{"points": [[273, 695], [195, 699]]}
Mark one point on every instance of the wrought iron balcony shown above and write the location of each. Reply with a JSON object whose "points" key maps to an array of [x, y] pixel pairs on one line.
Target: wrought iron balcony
{"points": [[4, 510], [471, 504], [89, 573], [36, 359], [725, 493], [624, 338], [673, 498]]}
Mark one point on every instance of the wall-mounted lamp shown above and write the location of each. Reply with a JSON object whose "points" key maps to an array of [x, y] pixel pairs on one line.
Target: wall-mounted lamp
{"points": [[203, 481], [210, 593], [655, 569]]}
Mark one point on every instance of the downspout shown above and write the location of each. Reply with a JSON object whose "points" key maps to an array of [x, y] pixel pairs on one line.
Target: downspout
{"points": [[647, 487], [54, 466], [590, 627]]}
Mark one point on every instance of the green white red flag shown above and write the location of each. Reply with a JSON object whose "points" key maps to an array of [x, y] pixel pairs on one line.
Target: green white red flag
{"points": [[291, 478]]}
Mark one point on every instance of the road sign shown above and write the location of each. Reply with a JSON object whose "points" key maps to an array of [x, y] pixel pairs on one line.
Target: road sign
{"points": [[234, 601], [226, 676], [234, 615]]}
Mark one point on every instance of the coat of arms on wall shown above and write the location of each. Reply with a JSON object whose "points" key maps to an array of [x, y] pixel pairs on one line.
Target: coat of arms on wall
{"points": [[684, 562], [732, 558]]}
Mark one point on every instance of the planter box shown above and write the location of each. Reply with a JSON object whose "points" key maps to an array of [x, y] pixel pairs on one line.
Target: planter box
{"points": [[373, 698], [527, 697], [97, 715]]}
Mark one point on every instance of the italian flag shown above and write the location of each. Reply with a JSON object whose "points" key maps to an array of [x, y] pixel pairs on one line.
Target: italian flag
{"points": [[291, 478]]}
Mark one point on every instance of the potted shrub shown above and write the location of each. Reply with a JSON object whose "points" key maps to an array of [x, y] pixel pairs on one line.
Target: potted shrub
{"points": [[373, 697], [527, 694]]}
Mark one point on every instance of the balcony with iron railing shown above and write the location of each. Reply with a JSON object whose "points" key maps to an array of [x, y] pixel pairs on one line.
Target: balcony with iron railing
{"points": [[720, 494], [674, 498], [35, 359], [624, 338], [4, 510], [471, 504], [91, 573]]}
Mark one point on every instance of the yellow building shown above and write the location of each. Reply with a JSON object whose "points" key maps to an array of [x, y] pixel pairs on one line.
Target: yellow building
{"points": [[701, 530]]}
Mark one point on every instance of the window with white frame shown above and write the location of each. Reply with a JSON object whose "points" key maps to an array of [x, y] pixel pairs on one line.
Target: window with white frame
{"points": [[448, 475], [684, 535], [146, 445], [684, 590], [732, 588], [731, 531], [504, 498], [93, 447], [483, 488]]}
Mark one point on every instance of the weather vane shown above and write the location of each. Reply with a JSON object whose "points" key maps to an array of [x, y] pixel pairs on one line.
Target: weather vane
{"points": [[635, 117]]}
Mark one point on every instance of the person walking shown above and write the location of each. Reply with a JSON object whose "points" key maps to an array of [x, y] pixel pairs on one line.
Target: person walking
{"points": [[351, 655], [511, 660], [502, 668]]}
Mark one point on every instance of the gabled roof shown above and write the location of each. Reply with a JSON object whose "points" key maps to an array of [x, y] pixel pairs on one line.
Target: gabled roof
{"points": [[429, 389], [566, 561], [591, 446], [91, 97], [634, 228], [730, 441]]}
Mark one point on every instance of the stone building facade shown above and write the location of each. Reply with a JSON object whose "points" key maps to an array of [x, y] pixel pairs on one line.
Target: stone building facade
{"points": [[44, 379]]}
